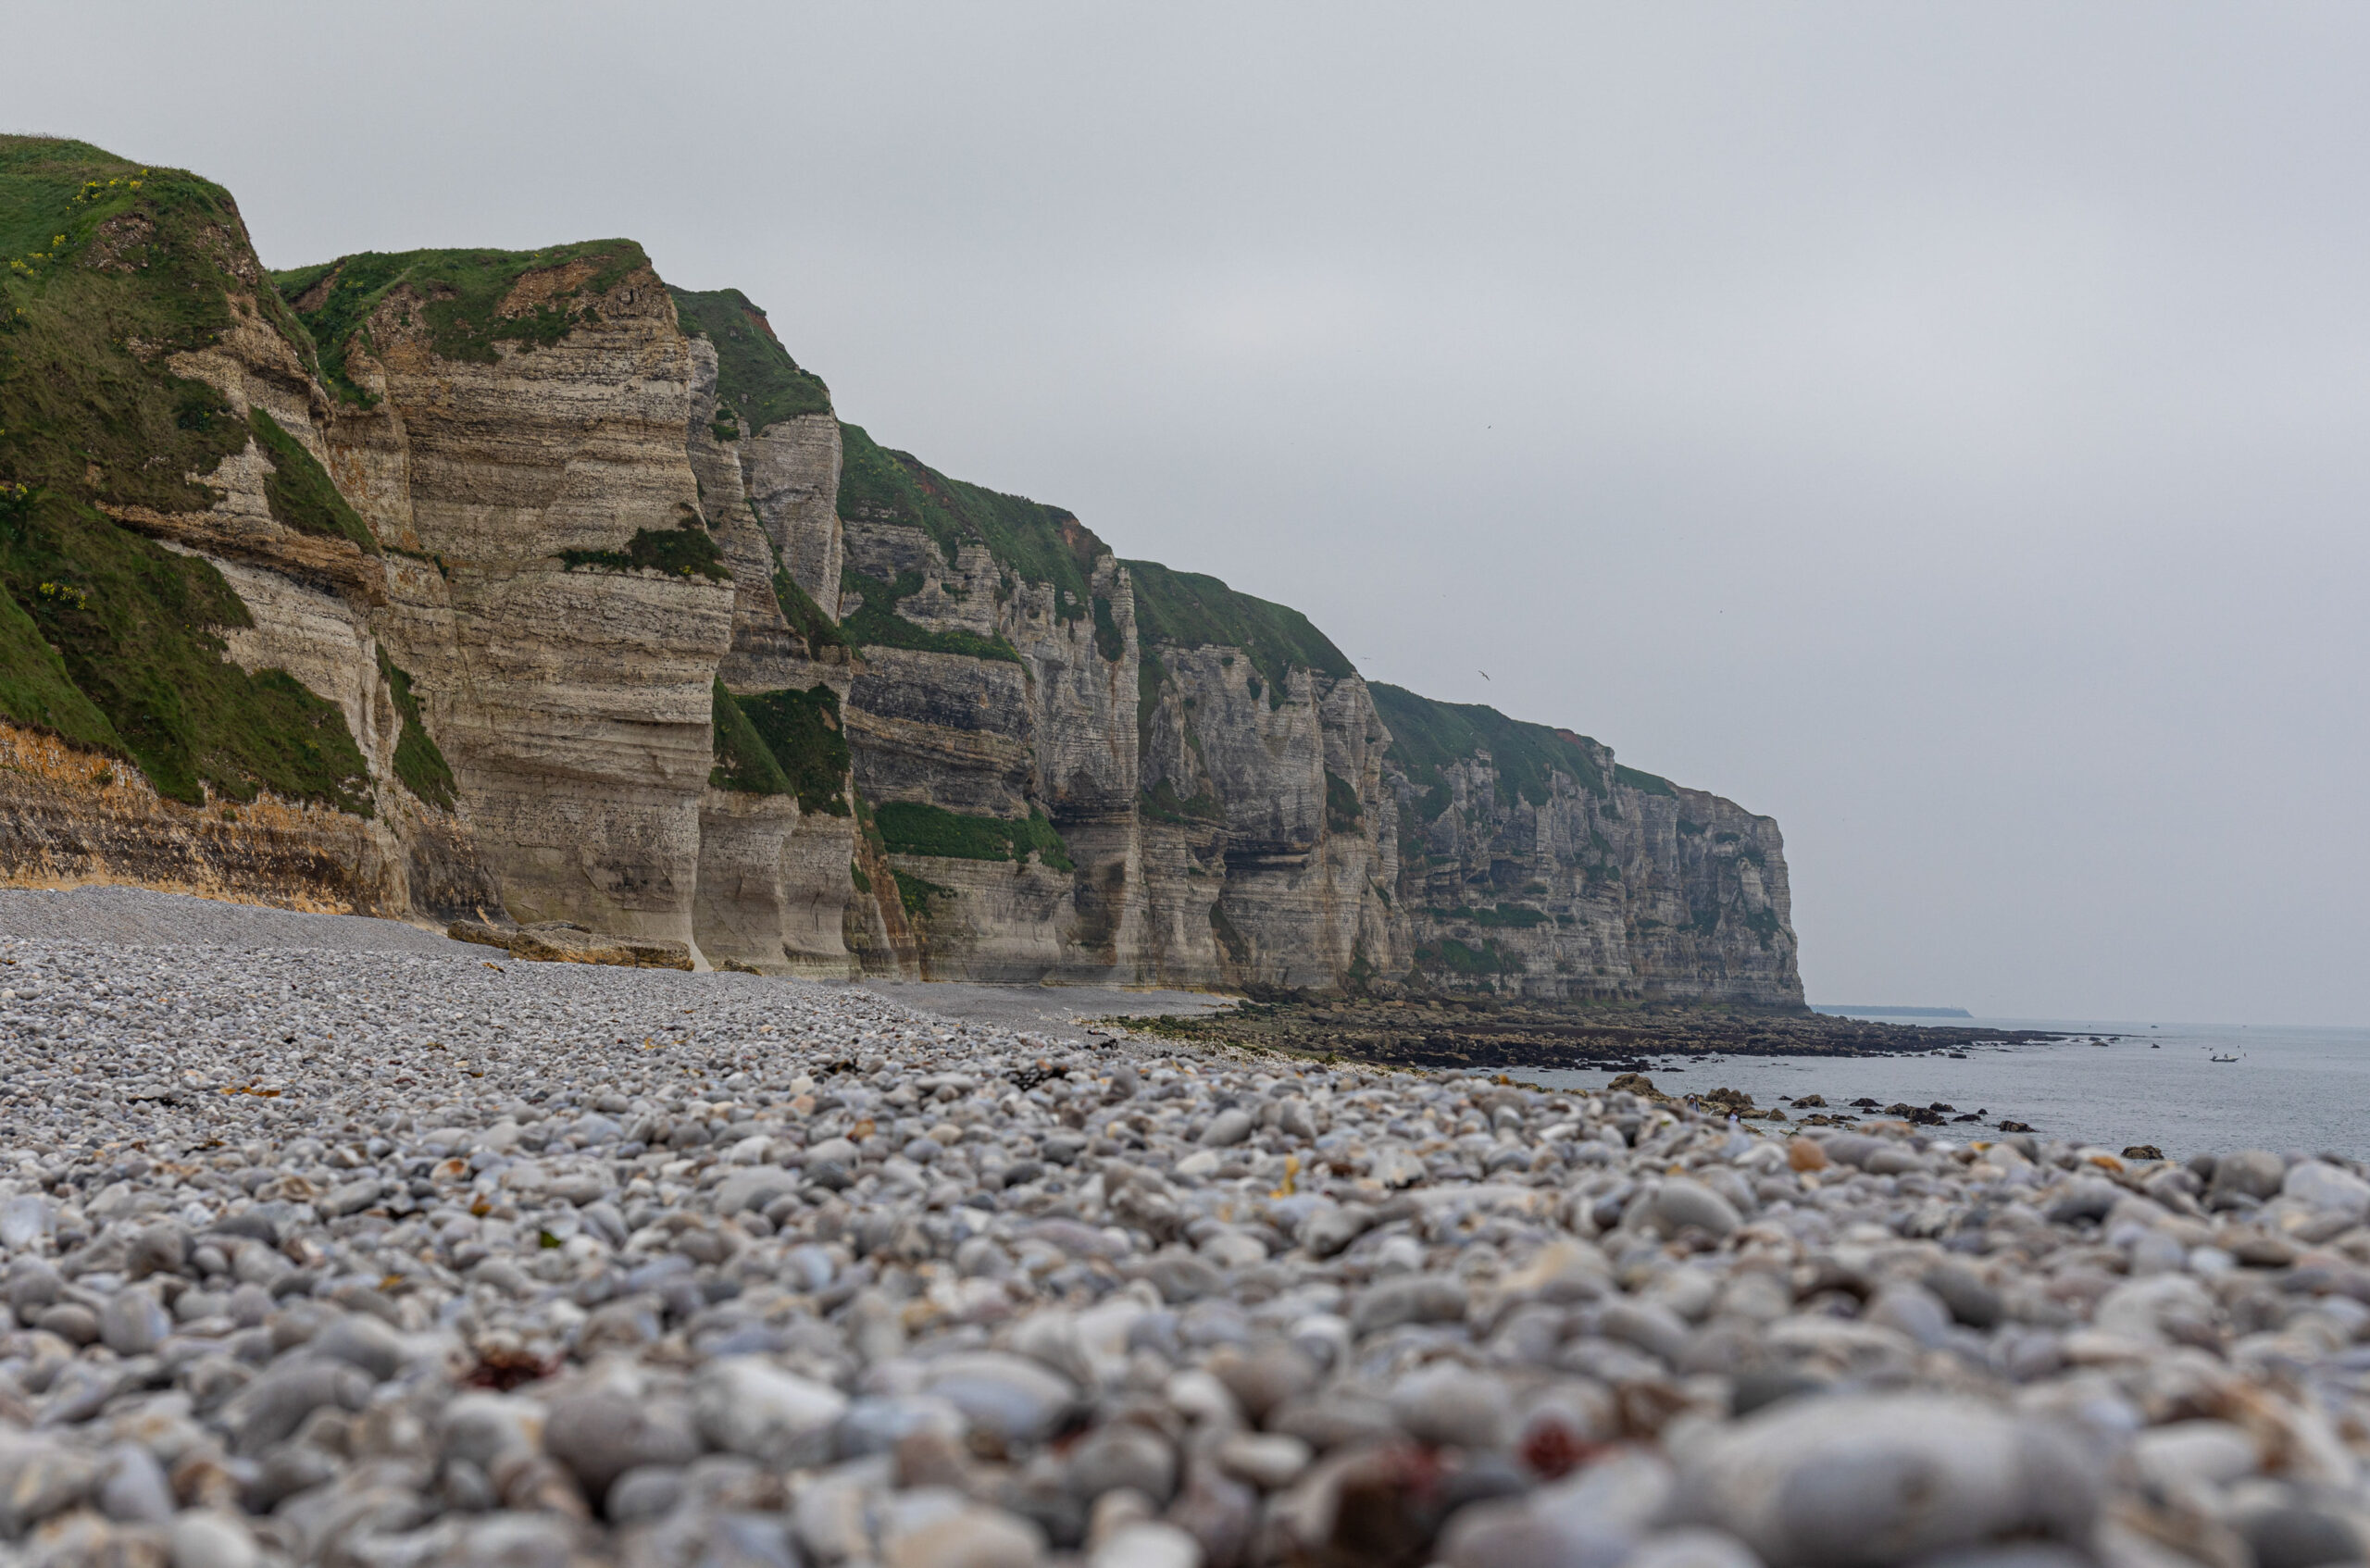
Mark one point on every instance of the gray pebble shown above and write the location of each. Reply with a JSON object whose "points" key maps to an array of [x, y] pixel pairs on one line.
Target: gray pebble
{"points": [[1454, 1406], [249, 1306], [39, 1479], [1124, 1455], [2299, 1537], [1226, 1128], [1020, 1402], [273, 1406], [132, 1489], [644, 1494], [1970, 1299], [601, 1434], [360, 1340], [1875, 1480], [134, 1323], [158, 1249], [1410, 1299], [1912, 1310], [32, 1285], [26, 1220], [201, 1538], [1680, 1204], [746, 1405], [2251, 1172], [70, 1321]]}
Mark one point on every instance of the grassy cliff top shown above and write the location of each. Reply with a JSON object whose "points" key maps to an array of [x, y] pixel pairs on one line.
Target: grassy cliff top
{"points": [[465, 291], [1426, 736], [756, 377], [1189, 610], [110, 268], [1037, 542]]}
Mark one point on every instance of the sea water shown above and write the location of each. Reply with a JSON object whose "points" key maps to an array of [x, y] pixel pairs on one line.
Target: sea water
{"points": [[2291, 1089]]}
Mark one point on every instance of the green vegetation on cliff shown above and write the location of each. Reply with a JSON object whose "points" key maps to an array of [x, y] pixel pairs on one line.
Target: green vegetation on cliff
{"points": [[1109, 640], [1515, 917], [802, 731], [463, 297], [685, 550], [912, 828], [756, 377], [109, 639], [1189, 610], [878, 624], [782, 744], [1342, 808], [1644, 783], [743, 762], [299, 491], [35, 688], [804, 616], [1036, 543], [914, 894], [136, 628], [419, 764], [1162, 804], [1428, 736], [1449, 956], [101, 256]]}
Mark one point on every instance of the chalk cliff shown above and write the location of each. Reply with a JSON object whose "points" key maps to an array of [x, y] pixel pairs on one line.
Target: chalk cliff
{"points": [[523, 586], [1531, 860]]}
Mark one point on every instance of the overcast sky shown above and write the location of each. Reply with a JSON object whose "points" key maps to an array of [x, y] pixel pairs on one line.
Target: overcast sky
{"points": [[1941, 428]]}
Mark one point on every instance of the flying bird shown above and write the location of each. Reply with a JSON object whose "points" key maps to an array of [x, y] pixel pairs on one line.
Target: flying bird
{"points": [[1485, 675]]}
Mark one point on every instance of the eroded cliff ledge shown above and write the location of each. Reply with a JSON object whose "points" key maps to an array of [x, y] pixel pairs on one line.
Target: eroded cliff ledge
{"points": [[524, 586]]}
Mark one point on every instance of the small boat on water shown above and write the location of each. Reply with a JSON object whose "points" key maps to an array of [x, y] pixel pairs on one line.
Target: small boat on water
{"points": [[2221, 1059]]}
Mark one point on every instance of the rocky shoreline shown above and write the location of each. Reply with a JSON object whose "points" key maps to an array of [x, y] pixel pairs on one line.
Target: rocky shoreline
{"points": [[1485, 1034], [409, 1257]]}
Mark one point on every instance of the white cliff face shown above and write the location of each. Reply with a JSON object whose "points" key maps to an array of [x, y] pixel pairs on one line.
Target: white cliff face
{"points": [[791, 472], [766, 499], [1048, 729], [1247, 782], [947, 729], [1082, 701], [1083, 714], [997, 921], [572, 704], [744, 897], [774, 883], [1623, 890], [1267, 836]]}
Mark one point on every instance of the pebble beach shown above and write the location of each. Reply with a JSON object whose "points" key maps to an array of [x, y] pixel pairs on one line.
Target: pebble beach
{"points": [[332, 1242]]}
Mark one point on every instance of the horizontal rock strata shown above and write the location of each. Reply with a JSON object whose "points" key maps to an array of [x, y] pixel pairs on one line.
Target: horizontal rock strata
{"points": [[571, 590]]}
